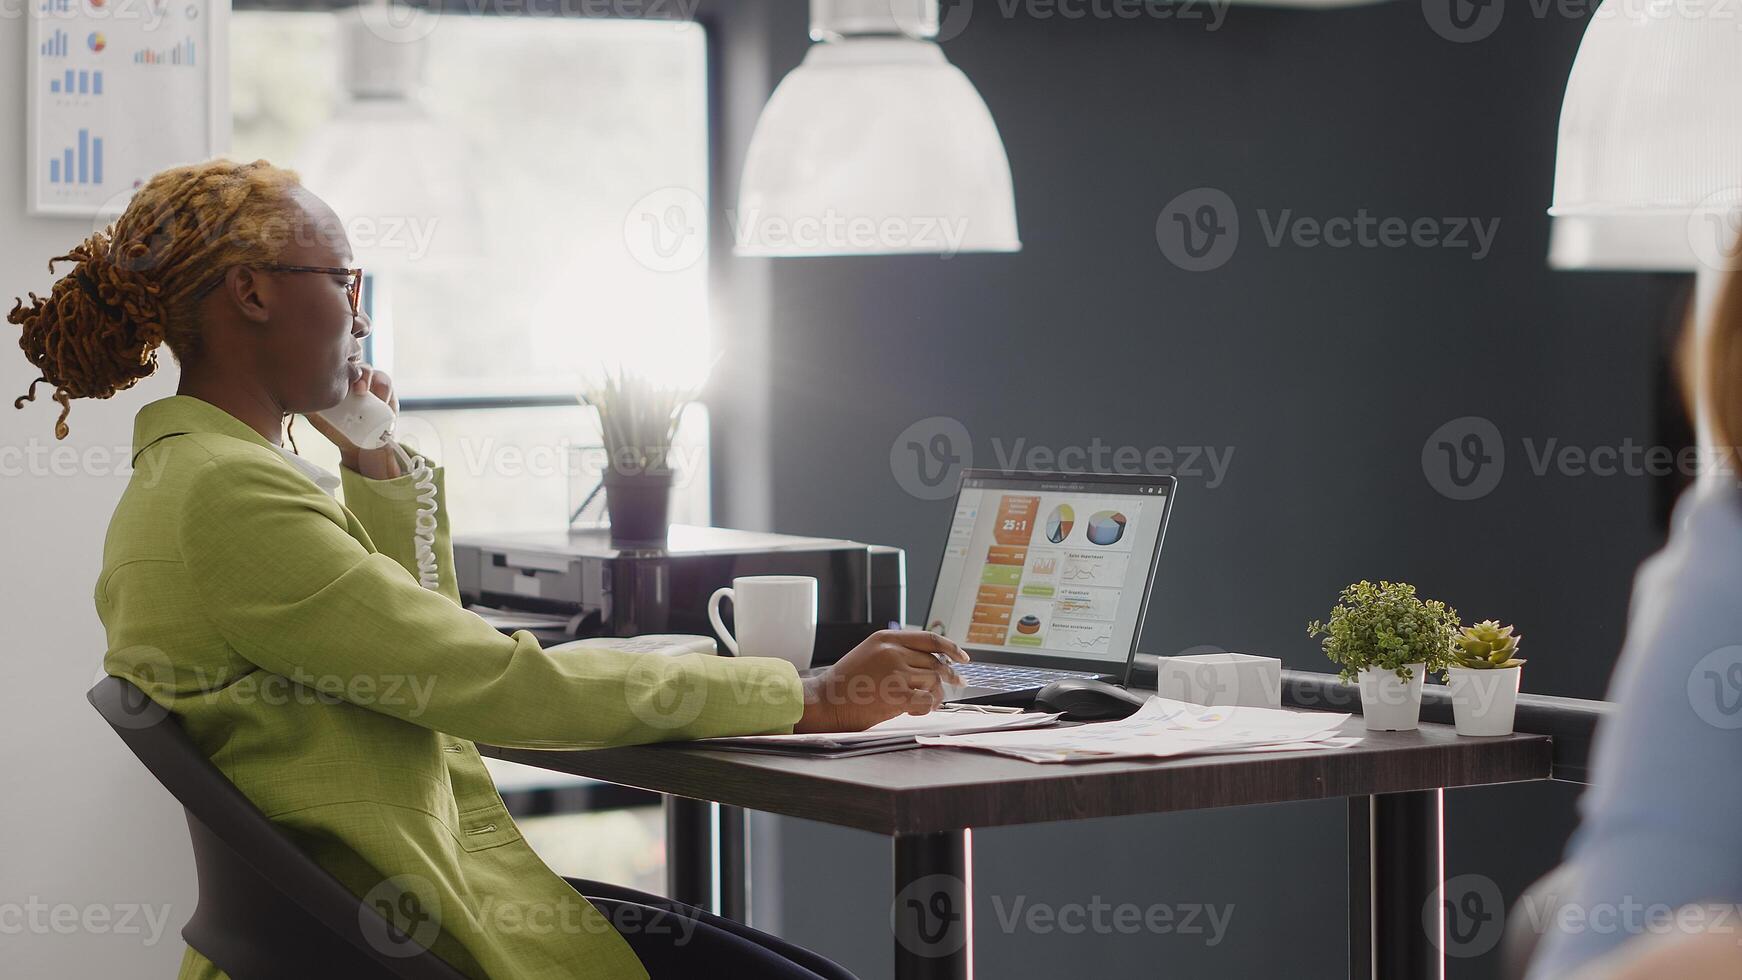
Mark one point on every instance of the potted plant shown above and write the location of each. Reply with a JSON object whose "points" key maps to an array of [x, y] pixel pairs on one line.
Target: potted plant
{"points": [[638, 421], [1387, 640], [1483, 679]]}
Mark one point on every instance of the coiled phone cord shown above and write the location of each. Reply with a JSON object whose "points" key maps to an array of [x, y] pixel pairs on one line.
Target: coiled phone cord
{"points": [[423, 533]]}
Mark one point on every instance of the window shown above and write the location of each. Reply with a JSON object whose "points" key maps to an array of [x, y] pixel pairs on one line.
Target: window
{"points": [[533, 212]]}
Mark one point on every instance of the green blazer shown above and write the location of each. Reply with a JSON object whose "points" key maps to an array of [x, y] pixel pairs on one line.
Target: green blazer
{"points": [[288, 634]]}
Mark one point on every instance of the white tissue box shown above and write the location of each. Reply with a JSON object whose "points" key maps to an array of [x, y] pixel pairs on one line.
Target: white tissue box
{"points": [[1221, 678]]}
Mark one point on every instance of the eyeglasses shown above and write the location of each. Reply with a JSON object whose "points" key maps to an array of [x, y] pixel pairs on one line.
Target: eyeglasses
{"points": [[353, 288]]}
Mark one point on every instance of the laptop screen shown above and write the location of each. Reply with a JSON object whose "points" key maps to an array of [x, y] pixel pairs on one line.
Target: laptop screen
{"points": [[1051, 568]]}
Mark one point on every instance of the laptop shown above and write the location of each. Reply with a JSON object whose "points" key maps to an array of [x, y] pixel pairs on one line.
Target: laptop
{"points": [[1046, 576]]}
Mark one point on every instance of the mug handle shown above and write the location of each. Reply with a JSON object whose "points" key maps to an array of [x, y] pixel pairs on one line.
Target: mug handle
{"points": [[714, 617]]}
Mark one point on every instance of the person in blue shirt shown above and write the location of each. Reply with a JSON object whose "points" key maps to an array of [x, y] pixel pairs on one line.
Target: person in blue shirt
{"points": [[1656, 865]]}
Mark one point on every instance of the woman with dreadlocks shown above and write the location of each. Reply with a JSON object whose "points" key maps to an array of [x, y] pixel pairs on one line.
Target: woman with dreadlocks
{"points": [[273, 621]]}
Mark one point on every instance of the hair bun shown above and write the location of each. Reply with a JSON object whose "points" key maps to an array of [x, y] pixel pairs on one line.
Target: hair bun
{"points": [[137, 285], [97, 331]]}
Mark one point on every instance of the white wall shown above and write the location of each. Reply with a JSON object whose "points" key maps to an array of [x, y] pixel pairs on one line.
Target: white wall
{"points": [[88, 840]]}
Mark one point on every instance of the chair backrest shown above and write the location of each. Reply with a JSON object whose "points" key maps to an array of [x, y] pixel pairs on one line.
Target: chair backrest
{"points": [[266, 909]]}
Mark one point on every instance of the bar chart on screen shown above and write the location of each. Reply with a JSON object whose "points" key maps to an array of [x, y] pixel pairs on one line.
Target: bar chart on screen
{"points": [[119, 91]]}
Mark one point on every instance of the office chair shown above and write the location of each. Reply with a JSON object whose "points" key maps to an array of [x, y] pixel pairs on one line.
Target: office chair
{"points": [[266, 910]]}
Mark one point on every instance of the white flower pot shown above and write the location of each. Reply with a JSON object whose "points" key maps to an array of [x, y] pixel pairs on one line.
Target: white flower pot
{"points": [[1483, 701], [1389, 703]]}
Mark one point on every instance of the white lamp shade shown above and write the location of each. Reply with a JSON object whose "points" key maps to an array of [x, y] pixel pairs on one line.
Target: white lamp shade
{"points": [[1649, 165], [875, 145]]}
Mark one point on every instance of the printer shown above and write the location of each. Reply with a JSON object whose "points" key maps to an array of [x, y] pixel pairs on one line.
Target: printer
{"points": [[565, 585]]}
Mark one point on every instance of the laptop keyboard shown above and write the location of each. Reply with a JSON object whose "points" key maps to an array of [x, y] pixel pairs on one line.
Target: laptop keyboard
{"points": [[1013, 677]]}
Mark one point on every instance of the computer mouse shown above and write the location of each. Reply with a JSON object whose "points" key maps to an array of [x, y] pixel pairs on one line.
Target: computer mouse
{"points": [[1086, 699]]}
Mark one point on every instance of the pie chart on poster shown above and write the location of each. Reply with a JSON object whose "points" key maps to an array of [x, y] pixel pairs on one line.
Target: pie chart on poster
{"points": [[1106, 527], [1060, 522]]}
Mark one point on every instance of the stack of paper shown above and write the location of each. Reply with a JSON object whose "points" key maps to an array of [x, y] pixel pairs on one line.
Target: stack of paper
{"points": [[1160, 729], [898, 731]]}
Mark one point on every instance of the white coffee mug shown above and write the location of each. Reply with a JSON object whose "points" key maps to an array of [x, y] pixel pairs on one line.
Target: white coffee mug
{"points": [[776, 616]]}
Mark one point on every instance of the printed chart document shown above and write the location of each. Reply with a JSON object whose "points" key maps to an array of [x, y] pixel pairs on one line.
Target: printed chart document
{"points": [[1160, 729], [900, 730]]}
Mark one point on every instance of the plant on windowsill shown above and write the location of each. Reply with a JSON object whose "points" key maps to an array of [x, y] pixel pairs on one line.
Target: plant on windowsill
{"points": [[1387, 640], [638, 421], [1483, 678]]}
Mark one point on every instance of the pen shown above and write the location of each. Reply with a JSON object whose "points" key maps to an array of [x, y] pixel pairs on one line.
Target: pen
{"points": [[895, 624]]}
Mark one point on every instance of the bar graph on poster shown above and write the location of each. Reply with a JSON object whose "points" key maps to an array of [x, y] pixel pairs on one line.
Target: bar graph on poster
{"points": [[118, 90]]}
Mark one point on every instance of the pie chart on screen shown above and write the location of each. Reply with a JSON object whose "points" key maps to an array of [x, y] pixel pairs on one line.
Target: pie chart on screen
{"points": [[1106, 527], [1060, 522]]}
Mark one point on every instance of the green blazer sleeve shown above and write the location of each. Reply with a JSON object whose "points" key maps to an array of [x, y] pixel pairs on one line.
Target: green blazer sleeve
{"points": [[387, 509], [291, 586]]}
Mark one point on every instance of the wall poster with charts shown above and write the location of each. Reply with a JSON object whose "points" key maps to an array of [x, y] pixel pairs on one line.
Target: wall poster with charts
{"points": [[117, 90]]}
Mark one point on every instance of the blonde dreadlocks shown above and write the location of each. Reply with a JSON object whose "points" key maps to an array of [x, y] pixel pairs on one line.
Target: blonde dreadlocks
{"points": [[136, 284]]}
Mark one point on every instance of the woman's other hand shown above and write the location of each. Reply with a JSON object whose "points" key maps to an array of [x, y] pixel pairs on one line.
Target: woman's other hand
{"points": [[375, 464], [894, 672]]}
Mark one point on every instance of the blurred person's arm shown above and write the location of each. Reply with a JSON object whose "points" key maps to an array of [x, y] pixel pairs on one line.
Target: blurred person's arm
{"points": [[1712, 954], [1660, 827]]}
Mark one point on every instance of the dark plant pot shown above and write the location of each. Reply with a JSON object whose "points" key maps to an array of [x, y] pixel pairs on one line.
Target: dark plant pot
{"points": [[640, 507]]}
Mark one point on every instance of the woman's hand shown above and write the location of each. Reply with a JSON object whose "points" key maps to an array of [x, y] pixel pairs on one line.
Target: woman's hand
{"points": [[375, 464], [894, 672]]}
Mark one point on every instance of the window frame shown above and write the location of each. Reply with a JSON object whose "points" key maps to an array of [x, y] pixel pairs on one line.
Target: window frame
{"points": [[714, 140]]}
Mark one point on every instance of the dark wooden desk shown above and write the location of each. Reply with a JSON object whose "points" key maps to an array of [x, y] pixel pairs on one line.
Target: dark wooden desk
{"points": [[927, 801]]}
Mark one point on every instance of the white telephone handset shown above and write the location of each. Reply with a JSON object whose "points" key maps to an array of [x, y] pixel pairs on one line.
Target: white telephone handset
{"points": [[364, 419], [368, 422]]}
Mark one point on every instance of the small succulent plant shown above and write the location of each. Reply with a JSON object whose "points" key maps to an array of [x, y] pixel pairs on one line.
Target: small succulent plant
{"points": [[1486, 646]]}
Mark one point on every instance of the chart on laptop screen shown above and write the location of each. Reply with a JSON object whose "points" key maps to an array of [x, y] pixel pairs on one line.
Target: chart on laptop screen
{"points": [[1050, 566]]}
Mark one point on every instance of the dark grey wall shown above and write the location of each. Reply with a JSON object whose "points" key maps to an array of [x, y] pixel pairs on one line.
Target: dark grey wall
{"points": [[1323, 370]]}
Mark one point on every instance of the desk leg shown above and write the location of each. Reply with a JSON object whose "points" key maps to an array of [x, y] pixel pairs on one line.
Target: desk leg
{"points": [[693, 848], [1405, 865], [1361, 888], [734, 864], [932, 915], [689, 852]]}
